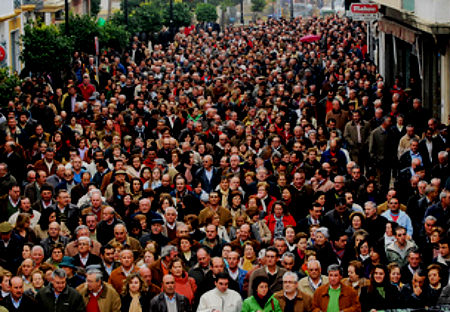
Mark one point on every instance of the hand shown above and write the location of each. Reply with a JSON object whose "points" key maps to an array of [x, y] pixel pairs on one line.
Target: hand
{"points": [[417, 290]]}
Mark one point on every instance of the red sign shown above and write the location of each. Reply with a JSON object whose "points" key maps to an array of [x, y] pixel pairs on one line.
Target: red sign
{"points": [[364, 8], [2, 53]]}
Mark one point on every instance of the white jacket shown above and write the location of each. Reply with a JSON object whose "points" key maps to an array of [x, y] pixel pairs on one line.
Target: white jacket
{"points": [[228, 301]]}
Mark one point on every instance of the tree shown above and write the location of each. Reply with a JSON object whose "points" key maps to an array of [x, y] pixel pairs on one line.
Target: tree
{"points": [[206, 12], [7, 84], [132, 4], [46, 49], [83, 30], [258, 5], [182, 15], [113, 36], [147, 18]]}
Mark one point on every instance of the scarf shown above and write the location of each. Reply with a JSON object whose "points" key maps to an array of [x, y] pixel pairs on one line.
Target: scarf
{"points": [[135, 305], [263, 300], [279, 227], [247, 265]]}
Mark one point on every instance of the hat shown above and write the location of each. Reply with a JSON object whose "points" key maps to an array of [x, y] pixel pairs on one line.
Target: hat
{"points": [[243, 67], [5, 227], [157, 221], [67, 262], [120, 172], [92, 98]]}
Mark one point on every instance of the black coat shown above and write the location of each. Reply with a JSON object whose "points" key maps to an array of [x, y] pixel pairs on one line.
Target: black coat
{"points": [[143, 299], [68, 301], [158, 304], [27, 304], [92, 259], [371, 299]]}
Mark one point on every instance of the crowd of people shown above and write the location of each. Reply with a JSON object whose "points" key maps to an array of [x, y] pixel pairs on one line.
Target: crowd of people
{"points": [[242, 169]]}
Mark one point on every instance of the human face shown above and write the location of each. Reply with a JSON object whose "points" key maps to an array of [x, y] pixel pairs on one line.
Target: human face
{"points": [[288, 263], [126, 259], [356, 222], [92, 283], [57, 255], [37, 280], [83, 247], [120, 234], [214, 199], [278, 211], [395, 275], [217, 266], [289, 284], [262, 289], [15, 193], [364, 249], [134, 285], [342, 242], [237, 201], [314, 271], [177, 269], [290, 235], [16, 288], [27, 267], [233, 260], [414, 260], [271, 258], [334, 278], [59, 283], [171, 216], [222, 284], [211, 232], [433, 277], [352, 274], [401, 237], [38, 256], [108, 256], [302, 244], [444, 250], [394, 205], [5, 284], [378, 275], [185, 245], [320, 239], [168, 285], [26, 252], [203, 258]]}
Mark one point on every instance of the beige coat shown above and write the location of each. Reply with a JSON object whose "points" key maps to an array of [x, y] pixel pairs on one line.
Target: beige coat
{"points": [[108, 300], [303, 285]]}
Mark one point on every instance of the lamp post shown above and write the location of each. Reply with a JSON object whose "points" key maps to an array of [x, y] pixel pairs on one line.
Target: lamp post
{"points": [[171, 14], [66, 8], [125, 11], [292, 9], [242, 12]]}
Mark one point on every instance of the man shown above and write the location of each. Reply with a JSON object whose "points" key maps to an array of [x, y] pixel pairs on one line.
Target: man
{"points": [[338, 218], [57, 296], [170, 228], [11, 245], [270, 270], [220, 298], [335, 296], [236, 273], [105, 228], [81, 189], [161, 267], [67, 212], [152, 289], [314, 217], [208, 175], [54, 237], [108, 264], [6, 179], [309, 284], [97, 295], [96, 206], [156, 227], [243, 236], [214, 206], [212, 241], [72, 248], [121, 236], [46, 199], [301, 193], [440, 210], [290, 298], [118, 276], [168, 300], [357, 133], [17, 301], [399, 250], [33, 190], [414, 264], [396, 215], [48, 164], [10, 202], [375, 224], [25, 207], [202, 267], [384, 206], [92, 222], [85, 258]]}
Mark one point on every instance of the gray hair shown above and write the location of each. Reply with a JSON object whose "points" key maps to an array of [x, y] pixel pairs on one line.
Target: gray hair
{"points": [[287, 254], [311, 262], [333, 268], [84, 238], [37, 247], [370, 204], [290, 274], [262, 253], [443, 154], [324, 231], [430, 189], [443, 194], [97, 272], [430, 218], [81, 227], [166, 250], [172, 208], [59, 273]]}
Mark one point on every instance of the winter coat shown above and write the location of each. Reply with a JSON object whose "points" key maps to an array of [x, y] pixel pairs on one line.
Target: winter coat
{"points": [[186, 286], [251, 305], [108, 299], [348, 299], [69, 300]]}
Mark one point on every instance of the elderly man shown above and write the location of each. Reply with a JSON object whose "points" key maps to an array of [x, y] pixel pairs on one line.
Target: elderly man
{"points": [[118, 276], [290, 297], [161, 266], [54, 237], [152, 289], [72, 247], [169, 300], [57, 294], [98, 295], [170, 228], [121, 236], [309, 284], [105, 228], [16, 301], [84, 257], [335, 296]]}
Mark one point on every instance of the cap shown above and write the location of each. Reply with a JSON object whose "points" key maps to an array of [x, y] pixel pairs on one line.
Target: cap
{"points": [[157, 221], [92, 98], [5, 227], [120, 172]]}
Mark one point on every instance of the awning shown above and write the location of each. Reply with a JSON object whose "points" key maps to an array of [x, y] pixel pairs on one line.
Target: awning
{"points": [[397, 30]]}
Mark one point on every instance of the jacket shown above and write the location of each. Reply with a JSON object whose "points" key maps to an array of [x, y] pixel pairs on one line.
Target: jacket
{"points": [[108, 299], [251, 305], [271, 222], [186, 286], [373, 300], [26, 304], [117, 278], [69, 300], [224, 214], [276, 285], [303, 302], [158, 303], [144, 300], [305, 287], [348, 299], [393, 253]]}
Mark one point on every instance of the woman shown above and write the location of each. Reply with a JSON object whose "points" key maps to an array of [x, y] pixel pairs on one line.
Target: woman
{"points": [[363, 255], [135, 166], [356, 222], [389, 237], [24, 271], [322, 246], [289, 234], [184, 284], [238, 219], [235, 203], [26, 251], [356, 277], [22, 228], [176, 161], [186, 253], [134, 294], [136, 188], [380, 294], [259, 227], [279, 219], [165, 200], [395, 275], [37, 282], [368, 192], [149, 257], [263, 299], [300, 249], [146, 177], [57, 254], [249, 261], [214, 218]]}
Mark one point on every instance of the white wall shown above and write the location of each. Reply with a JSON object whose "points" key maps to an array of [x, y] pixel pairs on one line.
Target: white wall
{"points": [[6, 7], [435, 11]]}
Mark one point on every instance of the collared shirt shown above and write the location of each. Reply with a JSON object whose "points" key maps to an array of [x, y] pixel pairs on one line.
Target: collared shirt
{"points": [[14, 204], [126, 273], [171, 303], [16, 303]]}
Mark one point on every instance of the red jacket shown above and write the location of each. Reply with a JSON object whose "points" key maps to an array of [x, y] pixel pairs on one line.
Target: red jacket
{"points": [[271, 222]]}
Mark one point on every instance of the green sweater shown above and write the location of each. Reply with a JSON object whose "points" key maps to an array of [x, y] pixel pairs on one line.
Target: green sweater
{"points": [[251, 305]]}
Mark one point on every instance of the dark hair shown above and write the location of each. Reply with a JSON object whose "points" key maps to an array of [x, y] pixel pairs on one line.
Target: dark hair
{"points": [[373, 285], [222, 275], [258, 280]]}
